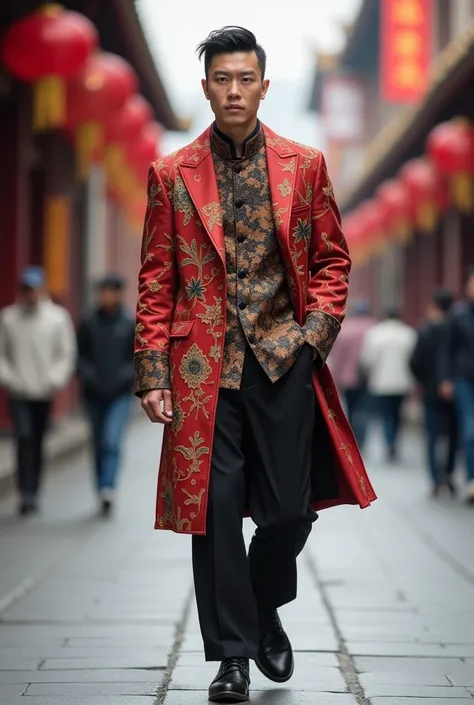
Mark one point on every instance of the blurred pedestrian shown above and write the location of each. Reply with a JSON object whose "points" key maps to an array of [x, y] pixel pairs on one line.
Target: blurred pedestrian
{"points": [[242, 290], [439, 414], [385, 359], [344, 363], [457, 373], [37, 357], [105, 368]]}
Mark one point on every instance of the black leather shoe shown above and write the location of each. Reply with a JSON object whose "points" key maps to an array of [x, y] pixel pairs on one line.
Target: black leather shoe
{"points": [[231, 685], [275, 655]]}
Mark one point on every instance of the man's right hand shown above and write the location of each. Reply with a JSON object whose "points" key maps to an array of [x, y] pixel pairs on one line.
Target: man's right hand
{"points": [[158, 406]]}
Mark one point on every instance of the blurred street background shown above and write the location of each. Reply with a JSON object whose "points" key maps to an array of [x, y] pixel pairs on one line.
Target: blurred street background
{"points": [[96, 607]]}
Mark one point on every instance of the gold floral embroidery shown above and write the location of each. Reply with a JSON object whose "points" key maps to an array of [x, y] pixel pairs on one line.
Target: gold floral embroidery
{"points": [[198, 400], [193, 454], [214, 316], [182, 201], [285, 188], [327, 242], [289, 166], [213, 213], [194, 368]]}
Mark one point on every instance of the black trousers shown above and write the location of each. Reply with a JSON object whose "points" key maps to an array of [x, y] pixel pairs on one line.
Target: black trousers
{"points": [[261, 462], [30, 421]]}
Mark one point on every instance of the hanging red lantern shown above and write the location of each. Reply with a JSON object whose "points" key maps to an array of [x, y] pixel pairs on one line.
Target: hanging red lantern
{"points": [[450, 146], [126, 124], [145, 149], [427, 192], [46, 48], [94, 96], [129, 121], [395, 200]]}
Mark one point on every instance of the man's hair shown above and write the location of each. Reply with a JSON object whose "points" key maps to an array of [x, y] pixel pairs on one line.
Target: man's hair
{"points": [[228, 40], [443, 299]]}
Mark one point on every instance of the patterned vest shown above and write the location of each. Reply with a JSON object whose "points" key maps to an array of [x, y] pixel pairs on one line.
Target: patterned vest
{"points": [[259, 309]]}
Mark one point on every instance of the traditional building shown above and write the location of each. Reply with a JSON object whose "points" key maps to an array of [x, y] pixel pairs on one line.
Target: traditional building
{"points": [[77, 225], [406, 186]]}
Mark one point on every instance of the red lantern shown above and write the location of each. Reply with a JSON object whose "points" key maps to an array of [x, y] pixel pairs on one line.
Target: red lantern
{"points": [[46, 48], [450, 145], [426, 191], [145, 149], [95, 95], [394, 198], [126, 124], [129, 121]]}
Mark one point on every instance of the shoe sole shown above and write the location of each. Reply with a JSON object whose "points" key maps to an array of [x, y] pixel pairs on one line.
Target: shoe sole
{"points": [[227, 697], [274, 678]]}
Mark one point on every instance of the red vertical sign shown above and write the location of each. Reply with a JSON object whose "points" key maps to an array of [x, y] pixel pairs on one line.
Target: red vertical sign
{"points": [[406, 49]]}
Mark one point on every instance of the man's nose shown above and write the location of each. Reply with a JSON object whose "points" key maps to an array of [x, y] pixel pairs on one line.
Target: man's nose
{"points": [[234, 90]]}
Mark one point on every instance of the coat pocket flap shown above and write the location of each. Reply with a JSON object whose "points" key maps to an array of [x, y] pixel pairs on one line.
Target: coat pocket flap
{"points": [[181, 329]]}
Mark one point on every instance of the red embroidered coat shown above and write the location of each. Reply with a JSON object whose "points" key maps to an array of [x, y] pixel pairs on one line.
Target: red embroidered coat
{"points": [[181, 316]]}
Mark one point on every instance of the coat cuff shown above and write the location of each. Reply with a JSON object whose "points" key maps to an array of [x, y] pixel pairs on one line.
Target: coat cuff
{"points": [[152, 371], [320, 331]]}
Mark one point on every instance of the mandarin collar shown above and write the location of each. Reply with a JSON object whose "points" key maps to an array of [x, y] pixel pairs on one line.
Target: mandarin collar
{"points": [[224, 147]]}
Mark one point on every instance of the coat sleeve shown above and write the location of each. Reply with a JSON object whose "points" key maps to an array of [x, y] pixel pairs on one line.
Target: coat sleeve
{"points": [[156, 289], [329, 267]]}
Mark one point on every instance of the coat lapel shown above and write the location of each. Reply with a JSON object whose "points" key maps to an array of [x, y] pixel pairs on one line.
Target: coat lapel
{"points": [[282, 164], [197, 172]]}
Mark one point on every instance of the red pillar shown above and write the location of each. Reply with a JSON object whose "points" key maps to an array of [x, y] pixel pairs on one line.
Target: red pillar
{"points": [[14, 200]]}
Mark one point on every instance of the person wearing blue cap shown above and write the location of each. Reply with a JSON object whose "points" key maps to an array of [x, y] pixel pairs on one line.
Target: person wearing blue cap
{"points": [[37, 356]]}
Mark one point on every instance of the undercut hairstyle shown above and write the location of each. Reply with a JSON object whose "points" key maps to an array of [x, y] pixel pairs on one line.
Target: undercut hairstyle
{"points": [[228, 40]]}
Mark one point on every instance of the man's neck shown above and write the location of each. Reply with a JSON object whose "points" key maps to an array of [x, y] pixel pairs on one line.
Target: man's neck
{"points": [[239, 134]]}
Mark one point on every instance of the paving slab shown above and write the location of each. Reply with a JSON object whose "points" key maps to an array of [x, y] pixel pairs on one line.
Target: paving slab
{"points": [[309, 678], [80, 700], [269, 697], [93, 689], [419, 701], [413, 691]]}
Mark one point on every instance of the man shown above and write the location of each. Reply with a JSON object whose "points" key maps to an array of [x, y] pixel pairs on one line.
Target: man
{"points": [[105, 369], [345, 368], [457, 373], [37, 355], [440, 414], [241, 294], [385, 359]]}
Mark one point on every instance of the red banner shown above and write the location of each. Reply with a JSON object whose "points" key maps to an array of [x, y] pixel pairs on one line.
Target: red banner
{"points": [[406, 49]]}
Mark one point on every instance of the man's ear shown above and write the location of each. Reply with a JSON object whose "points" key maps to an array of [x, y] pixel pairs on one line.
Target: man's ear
{"points": [[204, 88]]}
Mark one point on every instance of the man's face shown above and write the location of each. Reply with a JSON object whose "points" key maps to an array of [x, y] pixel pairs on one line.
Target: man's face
{"points": [[470, 288], [30, 296], [109, 297], [235, 88]]}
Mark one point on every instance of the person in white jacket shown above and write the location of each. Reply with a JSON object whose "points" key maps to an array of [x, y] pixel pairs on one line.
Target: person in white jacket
{"points": [[385, 361], [37, 359]]}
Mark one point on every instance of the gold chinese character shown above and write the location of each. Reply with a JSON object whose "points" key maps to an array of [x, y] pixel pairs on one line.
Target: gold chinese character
{"points": [[409, 76], [408, 12], [407, 43]]}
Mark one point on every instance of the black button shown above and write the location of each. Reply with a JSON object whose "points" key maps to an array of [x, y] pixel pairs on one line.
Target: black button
{"points": [[242, 305], [240, 238], [252, 340], [242, 273], [238, 168], [239, 203]]}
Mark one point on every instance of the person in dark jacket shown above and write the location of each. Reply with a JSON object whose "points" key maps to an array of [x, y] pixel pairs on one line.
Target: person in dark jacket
{"points": [[440, 414], [106, 371], [457, 373]]}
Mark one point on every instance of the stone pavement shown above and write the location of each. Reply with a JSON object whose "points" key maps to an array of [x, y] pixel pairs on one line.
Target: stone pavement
{"points": [[95, 613]]}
